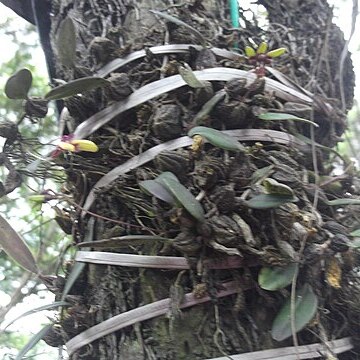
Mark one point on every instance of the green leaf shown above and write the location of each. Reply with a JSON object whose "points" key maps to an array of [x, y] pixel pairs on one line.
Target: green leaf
{"points": [[276, 278], [76, 87], [274, 187], [33, 341], [181, 23], [189, 77], [217, 138], [355, 244], [268, 201], [305, 308], [158, 190], [66, 42], [355, 233], [18, 85], [182, 195], [343, 201], [16, 247], [51, 306], [276, 52], [208, 106], [282, 116]]}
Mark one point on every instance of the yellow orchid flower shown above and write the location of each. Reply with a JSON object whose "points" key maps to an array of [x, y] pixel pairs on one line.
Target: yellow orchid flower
{"points": [[68, 143]]}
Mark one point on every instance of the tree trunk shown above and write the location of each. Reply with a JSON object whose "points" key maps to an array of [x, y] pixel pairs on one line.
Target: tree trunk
{"points": [[241, 322]]}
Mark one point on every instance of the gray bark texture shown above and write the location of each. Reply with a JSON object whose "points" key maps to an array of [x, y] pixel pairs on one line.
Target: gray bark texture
{"points": [[110, 29]]}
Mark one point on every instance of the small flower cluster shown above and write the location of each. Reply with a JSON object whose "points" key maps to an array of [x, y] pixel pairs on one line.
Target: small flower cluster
{"points": [[69, 143], [261, 57]]}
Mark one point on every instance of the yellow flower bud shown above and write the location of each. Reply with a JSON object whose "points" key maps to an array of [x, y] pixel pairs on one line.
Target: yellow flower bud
{"points": [[84, 145], [249, 51], [66, 146], [262, 48], [276, 52]]}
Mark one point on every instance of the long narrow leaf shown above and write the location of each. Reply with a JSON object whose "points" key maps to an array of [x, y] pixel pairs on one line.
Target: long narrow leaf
{"points": [[116, 64], [16, 247], [76, 87], [343, 201], [51, 306], [139, 160], [271, 116], [123, 241], [170, 83], [33, 341], [78, 268], [139, 314]]}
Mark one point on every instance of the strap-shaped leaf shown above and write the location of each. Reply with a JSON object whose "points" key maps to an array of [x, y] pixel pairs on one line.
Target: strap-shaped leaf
{"points": [[76, 87], [32, 342], [66, 42], [306, 304], [282, 116], [217, 138], [18, 85], [148, 155], [51, 306], [182, 195], [16, 247], [180, 23], [123, 241], [269, 201], [159, 87], [343, 201], [158, 190], [276, 278]]}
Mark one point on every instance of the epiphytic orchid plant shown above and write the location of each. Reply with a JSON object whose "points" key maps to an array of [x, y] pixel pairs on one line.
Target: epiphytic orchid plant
{"points": [[261, 57]]}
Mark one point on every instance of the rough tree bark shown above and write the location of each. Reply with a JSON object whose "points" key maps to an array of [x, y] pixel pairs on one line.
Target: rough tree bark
{"points": [[108, 29]]}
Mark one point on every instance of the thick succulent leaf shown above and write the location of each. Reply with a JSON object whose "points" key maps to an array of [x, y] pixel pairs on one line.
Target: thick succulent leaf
{"points": [[18, 85], [16, 247], [189, 77], [179, 22], [275, 278], [76, 87], [158, 190], [282, 116], [268, 201], [66, 42], [343, 201], [182, 195], [217, 138], [32, 342], [51, 306], [305, 308], [274, 187]]}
